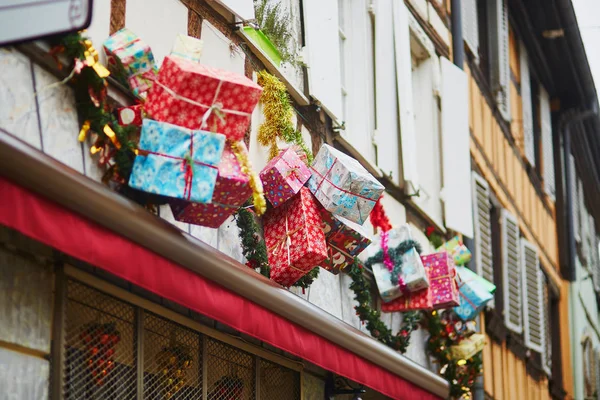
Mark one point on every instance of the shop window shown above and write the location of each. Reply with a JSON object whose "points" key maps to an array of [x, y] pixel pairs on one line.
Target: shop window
{"points": [[117, 350]]}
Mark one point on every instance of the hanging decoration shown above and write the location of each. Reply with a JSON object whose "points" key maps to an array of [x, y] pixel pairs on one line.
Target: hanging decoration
{"points": [[100, 341], [446, 332], [372, 318], [278, 114], [173, 362]]}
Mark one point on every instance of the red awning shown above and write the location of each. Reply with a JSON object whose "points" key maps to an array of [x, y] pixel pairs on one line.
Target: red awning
{"points": [[63, 229]]}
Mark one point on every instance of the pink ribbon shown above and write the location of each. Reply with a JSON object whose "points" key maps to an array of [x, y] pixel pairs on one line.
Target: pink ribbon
{"points": [[387, 261]]}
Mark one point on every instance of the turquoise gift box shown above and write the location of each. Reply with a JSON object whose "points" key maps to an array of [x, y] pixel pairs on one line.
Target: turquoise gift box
{"points": [[474, 292], [177, 162], [343, 186]]}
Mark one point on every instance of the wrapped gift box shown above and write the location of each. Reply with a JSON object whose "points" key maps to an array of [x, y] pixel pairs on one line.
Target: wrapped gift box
{"points": [[421, 300], [294, 238], [468, 347], [283, 177], [442, 279], [177, 162], [193, 95], [231, 191], [473, 295], [458, 250], [466, 275], [345, 240], [412, 270], [299, 152], [131, 115], [187, 47], [343, 186], [130, 61]]}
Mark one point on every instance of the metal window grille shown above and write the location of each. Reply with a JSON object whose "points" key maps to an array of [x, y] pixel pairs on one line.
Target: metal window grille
{"points": [[100, 343], [116, 350], [277, 382], [172, 360], [231, 373]]}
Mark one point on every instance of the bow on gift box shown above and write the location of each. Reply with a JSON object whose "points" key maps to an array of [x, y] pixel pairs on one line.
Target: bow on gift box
{"points": [[91, 59], [286, 240]]}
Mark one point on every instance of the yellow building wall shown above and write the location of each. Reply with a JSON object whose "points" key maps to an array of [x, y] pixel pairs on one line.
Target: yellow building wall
{"points": [[500, 163]]}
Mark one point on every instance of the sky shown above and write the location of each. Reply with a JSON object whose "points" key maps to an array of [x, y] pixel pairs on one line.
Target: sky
{"points": [[588, 17]]}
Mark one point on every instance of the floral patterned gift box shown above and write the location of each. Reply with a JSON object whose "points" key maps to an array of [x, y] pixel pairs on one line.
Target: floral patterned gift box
{"points": [[345, 240], [442, 279], [283, 177], [196, 96], [294, 238], [473, 294], [343, 186], [231, 191], [177, 162], [458, 250], [130, 61]]}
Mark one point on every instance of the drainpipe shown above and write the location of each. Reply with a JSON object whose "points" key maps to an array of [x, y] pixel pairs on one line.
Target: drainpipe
{"points": [[458, 48]]}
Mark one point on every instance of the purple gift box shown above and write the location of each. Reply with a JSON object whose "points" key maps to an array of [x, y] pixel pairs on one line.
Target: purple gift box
{"points": [[283, 177], [442, 282]]}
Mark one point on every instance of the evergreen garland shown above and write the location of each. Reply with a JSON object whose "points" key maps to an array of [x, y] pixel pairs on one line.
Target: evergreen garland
{"points": [[378, 329], [396, 257]]}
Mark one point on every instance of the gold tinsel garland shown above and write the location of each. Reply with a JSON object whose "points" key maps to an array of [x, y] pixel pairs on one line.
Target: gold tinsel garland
{"points": [[260, 204], [278, 114]]}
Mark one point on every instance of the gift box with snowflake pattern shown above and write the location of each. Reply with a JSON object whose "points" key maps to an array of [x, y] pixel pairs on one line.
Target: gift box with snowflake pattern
{"points": [[177, 162], [283, 177], [294, 238], [196, 96], [442, 282], [343, 186], [473, 294]]}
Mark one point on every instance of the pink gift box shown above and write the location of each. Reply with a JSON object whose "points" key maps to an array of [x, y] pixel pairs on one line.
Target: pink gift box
{"points": [[294, 238], [231, 191], [442, 282], [283, 177], [188, 93]]}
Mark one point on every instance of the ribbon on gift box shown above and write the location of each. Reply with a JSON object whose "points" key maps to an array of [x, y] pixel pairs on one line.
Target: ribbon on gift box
{"points": [[324, 178], [286, 240], [215, 107], [187, 164], [387, 261]]}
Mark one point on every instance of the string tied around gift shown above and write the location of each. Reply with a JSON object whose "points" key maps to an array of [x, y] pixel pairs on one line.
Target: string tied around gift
{"points": [[286, 240], [215, 107], [387, 261]]}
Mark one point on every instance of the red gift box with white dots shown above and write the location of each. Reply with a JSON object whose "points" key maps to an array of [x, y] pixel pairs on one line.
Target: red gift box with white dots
{"points": [[185, 91], [283, 177], [294, 238], [231, 191]]}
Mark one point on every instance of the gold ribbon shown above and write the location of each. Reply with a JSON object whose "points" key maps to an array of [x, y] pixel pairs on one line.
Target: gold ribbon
{"points": [[85, 128], [91, 59], [112, 136], [286, 240], [260, 204]]}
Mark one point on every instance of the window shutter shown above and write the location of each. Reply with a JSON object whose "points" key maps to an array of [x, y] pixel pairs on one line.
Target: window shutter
{"points": [[387, 137], [547, 144], [458, 208], [585, 236], [322, 55], [511, 272], [575, 198], [533, 310], [547, 353], [483, 228], [580, 210], [408, 138], [470, 26], [243, 9], [499, 61], [596, 268], [527, 110]]}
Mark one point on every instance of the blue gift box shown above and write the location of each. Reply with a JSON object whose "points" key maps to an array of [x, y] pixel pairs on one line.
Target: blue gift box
{"points": [[473, 296], [343, 186], [177, 162]]}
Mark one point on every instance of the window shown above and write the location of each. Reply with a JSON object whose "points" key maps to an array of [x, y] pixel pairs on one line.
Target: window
{"points": [[482, 224], [116, 350], [355, 37], [589, 369], [550, 320], [483, 39]]}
